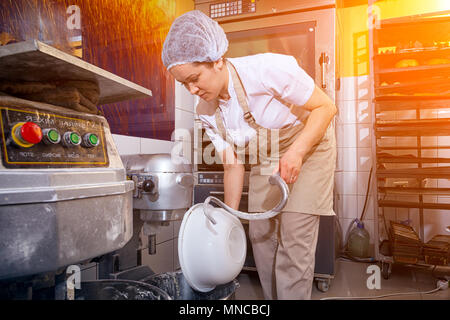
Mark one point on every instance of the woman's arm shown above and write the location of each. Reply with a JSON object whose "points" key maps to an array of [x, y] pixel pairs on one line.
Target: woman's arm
{"points": [[233, 178], [322, 112]]}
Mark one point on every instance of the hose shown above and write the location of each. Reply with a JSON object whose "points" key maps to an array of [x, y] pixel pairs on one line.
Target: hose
{"points": [[274, 180]]}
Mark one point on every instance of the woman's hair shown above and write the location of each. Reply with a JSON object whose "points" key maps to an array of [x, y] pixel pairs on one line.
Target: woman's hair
{"points": [[192, 37], [208, 64]]}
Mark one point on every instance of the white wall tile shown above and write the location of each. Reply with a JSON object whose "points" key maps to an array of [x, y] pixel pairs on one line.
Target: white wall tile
{"points": [[346, 136], [364, 112], [348, 206], [183, 98], [347, 90], [346, 112], [339, 159], [354, 88], [184, 119], [346, 183], [184, 124], [364, 159], [348, 159], [363, 179], [364, 135], [344, 226], [369, 212], [126, 144]]}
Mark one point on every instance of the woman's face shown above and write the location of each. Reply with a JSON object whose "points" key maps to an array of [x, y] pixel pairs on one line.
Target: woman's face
{"points": [[207, 80]]}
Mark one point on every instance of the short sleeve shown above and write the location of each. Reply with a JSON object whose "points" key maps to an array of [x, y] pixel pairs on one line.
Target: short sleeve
{"points": [[284, 78], [216, 139]]}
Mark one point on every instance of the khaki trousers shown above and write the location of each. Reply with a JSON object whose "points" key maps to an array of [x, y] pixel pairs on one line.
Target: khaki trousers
{"points": [[284, 249]]}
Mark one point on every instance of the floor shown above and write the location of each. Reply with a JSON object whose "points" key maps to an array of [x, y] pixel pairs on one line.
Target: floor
{"points": [[351, 281]]}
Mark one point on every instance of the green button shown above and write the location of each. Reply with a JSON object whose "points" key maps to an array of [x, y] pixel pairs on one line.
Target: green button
{"points": [[53, 135], [75, 138], [93, 139]]}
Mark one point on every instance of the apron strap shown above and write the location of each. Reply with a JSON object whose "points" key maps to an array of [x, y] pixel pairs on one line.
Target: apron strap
{"points": [[219, 122], [241, 96], [285, 134]]}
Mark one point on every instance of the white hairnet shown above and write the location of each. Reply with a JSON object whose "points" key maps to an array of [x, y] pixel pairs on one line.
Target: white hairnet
{"points": [[193, 37]]}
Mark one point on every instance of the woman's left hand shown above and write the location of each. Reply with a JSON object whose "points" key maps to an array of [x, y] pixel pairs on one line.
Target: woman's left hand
{"points": [[289, 166]]}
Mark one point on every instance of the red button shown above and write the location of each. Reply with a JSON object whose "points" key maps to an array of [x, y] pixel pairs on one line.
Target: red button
{"points": [[31, 132]]}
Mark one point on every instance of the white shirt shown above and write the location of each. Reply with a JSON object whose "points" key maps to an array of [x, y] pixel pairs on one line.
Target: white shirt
{"points": [[272, 82]]}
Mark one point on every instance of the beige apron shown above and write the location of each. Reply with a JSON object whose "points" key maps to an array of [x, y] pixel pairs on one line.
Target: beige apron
{"points": [[312, 193]]}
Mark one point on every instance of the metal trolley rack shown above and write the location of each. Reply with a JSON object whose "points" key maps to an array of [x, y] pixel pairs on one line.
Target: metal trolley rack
{"points": [[410, 76]]}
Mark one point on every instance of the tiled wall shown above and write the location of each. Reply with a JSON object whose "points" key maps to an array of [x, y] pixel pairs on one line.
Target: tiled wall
{"points": [[354, 153]]}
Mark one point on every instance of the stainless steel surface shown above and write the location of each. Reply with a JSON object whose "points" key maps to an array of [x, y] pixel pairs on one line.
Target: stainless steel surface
{"points": [[171, 184], [56, 213], [36, 61], [162, 215], [54, 217], [43, 237], [154, 163]]}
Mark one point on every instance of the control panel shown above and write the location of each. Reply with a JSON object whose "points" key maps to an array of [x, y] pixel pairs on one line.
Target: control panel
{"points": [[41, 139], [231, 8], [210, 178]]}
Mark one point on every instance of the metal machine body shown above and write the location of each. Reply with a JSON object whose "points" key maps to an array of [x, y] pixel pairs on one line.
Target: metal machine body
{"points": [[58, 207], [64, 199], [163, 193]]}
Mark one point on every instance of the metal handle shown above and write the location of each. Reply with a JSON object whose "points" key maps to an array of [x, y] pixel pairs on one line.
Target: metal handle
{"points": [[275, 180], [323, 60]]}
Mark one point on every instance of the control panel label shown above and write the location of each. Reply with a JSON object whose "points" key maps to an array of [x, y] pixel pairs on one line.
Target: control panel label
{"points": [[52, 151]]}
